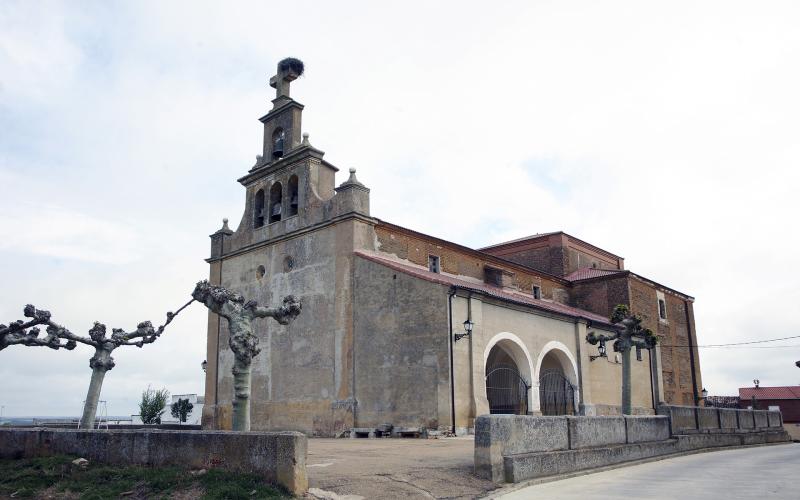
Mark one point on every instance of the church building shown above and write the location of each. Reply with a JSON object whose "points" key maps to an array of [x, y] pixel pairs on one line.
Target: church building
{"points": [[405, 329]]}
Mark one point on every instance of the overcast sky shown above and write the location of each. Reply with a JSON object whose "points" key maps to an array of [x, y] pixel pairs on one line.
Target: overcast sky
{"points": [[663, 132]]}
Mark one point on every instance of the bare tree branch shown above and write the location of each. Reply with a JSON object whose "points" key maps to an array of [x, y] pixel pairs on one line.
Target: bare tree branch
{"points": [[58, 337]]}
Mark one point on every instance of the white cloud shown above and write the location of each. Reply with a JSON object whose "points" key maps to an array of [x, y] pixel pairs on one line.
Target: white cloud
{"points": [[665, 133]]}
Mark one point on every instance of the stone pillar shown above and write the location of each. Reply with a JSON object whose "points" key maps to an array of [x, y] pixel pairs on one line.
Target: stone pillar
{"points": [[209, 418], [479, 404], [585, 406], [658, 375]]}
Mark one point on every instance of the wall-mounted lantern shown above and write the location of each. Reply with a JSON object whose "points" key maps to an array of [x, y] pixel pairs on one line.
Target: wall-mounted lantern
{"points": [[601, 348], [468, 324], [204, 365]]}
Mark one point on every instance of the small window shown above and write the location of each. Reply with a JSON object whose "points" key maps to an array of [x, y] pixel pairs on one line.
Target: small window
{"points": [[537, 292], [662, 309], [433, 263], [493, 276]]}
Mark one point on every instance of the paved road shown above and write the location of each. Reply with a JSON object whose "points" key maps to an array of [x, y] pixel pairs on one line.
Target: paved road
{"points": [[762, 473]]}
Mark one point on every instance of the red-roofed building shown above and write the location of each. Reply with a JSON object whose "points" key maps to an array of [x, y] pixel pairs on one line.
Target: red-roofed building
{"points": [[410, 330], [784, 398]]}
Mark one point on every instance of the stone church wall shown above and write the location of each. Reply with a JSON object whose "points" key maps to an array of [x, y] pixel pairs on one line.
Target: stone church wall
{"points": [[302, 379], [402, 370]]}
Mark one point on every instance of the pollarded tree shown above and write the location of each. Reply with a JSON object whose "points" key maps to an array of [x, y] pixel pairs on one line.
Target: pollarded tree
{"points": [[181, 410], [240, 315], [629, 334], [58, 337]]}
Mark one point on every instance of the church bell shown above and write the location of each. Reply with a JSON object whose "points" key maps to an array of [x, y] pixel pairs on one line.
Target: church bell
{"points": [[277, 146]]}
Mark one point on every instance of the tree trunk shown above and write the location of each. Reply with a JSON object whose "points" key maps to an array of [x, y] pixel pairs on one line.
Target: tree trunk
{"points": [[92, 397], [241, 391], [626, 381]]}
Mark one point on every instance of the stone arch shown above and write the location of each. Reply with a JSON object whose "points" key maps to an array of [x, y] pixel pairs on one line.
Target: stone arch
{"points": [[278, 143], [515, 348], [293, 196], [567, 362], [275, 202], [564, 356], [258, 209]]}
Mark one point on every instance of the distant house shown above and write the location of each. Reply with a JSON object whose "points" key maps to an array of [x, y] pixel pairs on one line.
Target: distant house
{"points": [[785, 398], [193, 418]]}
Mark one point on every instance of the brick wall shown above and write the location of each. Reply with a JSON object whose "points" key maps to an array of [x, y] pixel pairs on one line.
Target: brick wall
{"points": [[557, 253], [602, 295], [674, 335], [458, 261]]}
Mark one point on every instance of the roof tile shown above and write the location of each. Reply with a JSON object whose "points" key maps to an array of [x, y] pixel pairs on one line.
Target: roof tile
{"points": [[785, 392]]}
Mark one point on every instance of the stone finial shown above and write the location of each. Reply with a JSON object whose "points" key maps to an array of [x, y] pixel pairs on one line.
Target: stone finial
{"points": [[352, 181], [305, 140], [224, 229]]}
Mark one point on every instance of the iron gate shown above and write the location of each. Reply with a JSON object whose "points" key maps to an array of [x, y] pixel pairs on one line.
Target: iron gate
{"points": [[556, 394], [507, 391]]}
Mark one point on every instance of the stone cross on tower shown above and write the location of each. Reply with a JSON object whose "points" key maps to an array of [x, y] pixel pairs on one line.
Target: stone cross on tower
{"points": [[288, 71]]}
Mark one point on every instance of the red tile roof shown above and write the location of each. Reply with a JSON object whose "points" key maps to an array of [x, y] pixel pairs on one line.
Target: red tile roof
{"points": [[786, 392], [510, 295], [585, 273]]}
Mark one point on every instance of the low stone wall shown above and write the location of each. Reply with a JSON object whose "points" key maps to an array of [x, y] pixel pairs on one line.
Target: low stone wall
{"points": [[513, 448], [498, 436], [280, 457], [692, 419]]}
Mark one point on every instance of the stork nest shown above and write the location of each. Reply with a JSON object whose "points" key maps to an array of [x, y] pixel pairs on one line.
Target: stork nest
{"points": [[291, 64]]}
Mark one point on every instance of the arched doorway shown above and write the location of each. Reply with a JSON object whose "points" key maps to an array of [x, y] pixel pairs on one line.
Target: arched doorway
{"points": [[506, 388], [557, 392]]}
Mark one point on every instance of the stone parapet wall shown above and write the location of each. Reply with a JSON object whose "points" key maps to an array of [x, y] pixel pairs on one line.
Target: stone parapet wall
{"points": [[498, 436], [280, 457], [692, 419], [513, 448]]}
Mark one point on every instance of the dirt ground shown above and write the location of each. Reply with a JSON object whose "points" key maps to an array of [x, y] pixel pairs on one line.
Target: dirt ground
{"points": [[393, 468]]}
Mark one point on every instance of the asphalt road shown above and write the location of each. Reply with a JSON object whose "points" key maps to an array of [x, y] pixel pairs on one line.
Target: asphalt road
{"points": [[765, 472]]}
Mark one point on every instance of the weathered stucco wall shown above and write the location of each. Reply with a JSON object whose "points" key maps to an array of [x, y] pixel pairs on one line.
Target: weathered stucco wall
{"points": [[402, 368], [302, 379], [606, 381]]}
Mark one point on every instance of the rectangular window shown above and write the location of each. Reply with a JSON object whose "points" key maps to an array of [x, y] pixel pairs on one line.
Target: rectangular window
{"points": [[662, 307], [433, 263], [537, 292]]}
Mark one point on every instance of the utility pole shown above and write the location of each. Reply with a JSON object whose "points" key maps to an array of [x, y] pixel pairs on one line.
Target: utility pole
{"points": [[629, 334]]}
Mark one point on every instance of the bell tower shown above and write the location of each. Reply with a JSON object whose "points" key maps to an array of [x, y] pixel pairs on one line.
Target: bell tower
{"points": [[282, 125]]}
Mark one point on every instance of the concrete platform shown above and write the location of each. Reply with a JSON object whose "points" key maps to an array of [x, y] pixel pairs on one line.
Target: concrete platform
{"points": [[394, 468]]}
